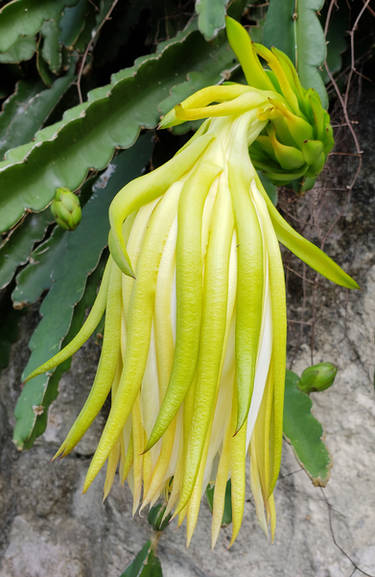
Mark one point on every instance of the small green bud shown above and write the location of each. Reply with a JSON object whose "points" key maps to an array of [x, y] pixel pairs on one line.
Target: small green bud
{"points": [[317, 378], [66, 209], [156, 517]]}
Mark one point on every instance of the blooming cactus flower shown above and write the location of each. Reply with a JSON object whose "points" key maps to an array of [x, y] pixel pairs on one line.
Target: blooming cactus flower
{"points": [[194, 346]]}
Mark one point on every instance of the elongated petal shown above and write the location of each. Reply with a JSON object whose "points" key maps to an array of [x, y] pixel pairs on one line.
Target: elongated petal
{"points": [[164, 357], [243, 48], [145, 189], [220, 484], [127, 457], [150, 398], [261, 460], [280, 74], [250, 272], [251, 99], [263, 358], [278, 308], [115, 455], [139, 329], [238, 477], [223, 403], [112, 463], [85, 332], [212, 334], [202, 98], [134, 244], [189, 294], [304, 249], [107, 364], [177, 477], [163, 310], [256, 487], [196, 497], [138, 445], [149, 404]]}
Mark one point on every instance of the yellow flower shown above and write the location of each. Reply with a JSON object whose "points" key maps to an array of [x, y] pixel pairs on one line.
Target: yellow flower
{"points": [[194, 298]]}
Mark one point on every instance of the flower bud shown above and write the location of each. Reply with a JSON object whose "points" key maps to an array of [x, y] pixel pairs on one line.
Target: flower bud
{"points": [[317, 378], [66, 209], [157, 518]]}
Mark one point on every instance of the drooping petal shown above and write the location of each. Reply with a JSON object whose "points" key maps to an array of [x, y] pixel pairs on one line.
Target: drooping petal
{"points": [[114, 457], [193, 506], [127, 454], [255, 485], [145, 189], [138, 446], [108, 361], [189, 294], [212, 334], [260, 461], [304, 249], [250, 270], [164, 344], [112, 463], [263, 357], [139, 328], [238, 478], [221, 480], [85, 332], [278, 310]]}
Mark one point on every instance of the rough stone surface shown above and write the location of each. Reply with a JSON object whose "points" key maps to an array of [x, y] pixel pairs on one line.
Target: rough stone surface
{"points": [[49, 528]]}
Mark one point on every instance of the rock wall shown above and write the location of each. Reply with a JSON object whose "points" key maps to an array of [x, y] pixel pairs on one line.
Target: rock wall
{"points": [[47, 527]]}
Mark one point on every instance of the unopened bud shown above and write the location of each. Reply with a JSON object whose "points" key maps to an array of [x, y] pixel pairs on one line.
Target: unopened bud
{"points": [[66, 209], [157, 518], [317, 378]]}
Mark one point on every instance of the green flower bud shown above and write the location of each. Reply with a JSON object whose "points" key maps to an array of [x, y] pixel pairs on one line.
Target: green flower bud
{"points": [[317, 378], [157, 518], [301, 135], [66, 209]]}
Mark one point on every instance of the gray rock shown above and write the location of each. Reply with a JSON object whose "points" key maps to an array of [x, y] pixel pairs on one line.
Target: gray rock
{"points": [[37, 551]]}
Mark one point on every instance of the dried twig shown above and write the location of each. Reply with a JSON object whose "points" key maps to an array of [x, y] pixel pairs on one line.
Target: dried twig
{"points": [[343, 100], [344, 105], [372, 12], [333, 535], [88, 48]]}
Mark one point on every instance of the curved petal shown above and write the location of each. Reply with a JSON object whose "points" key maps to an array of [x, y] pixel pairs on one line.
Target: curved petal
{"points": [[145, 189], [304, 249], [189, 294], [139, 329]]}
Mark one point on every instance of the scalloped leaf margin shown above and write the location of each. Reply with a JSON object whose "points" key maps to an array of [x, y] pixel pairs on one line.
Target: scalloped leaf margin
{"points": [[62, 154]]}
